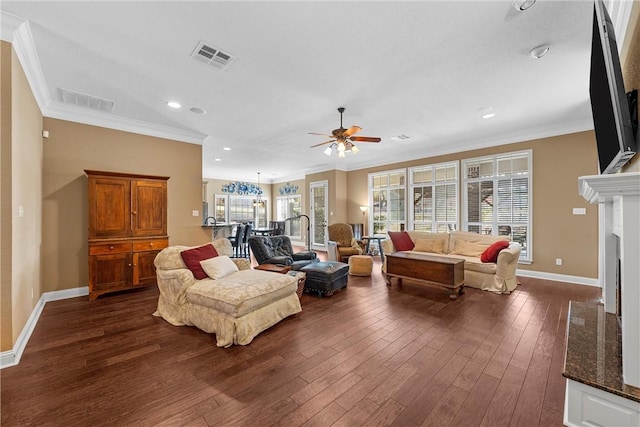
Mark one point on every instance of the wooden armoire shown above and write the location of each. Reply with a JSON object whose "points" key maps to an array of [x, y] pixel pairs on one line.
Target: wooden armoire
{"points": [[127, 229]]}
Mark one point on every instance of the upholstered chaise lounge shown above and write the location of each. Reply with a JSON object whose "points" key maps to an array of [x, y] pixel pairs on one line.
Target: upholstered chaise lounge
{"points": [[232, 301]]}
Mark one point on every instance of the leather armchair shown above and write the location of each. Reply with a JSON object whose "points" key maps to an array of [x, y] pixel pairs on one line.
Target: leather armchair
{"points": [[278, 250]]}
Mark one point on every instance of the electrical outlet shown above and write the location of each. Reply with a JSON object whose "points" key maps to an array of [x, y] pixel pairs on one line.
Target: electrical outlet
{"points": [[579, 211], [195, 213], [558, 261]]}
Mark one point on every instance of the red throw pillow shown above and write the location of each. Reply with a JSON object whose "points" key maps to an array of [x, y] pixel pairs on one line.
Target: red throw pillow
{"points": [[491, 253], [192, 258], [401, 240]]}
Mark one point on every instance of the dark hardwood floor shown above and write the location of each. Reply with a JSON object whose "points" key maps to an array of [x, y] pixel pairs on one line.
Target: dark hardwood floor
{"points": [[369, 355]]}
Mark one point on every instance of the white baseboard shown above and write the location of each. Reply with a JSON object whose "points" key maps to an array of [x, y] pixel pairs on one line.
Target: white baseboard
{"points": [[12, 357], [587, 281]]}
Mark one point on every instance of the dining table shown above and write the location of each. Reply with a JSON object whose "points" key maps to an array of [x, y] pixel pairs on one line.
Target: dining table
{"points": [[263, 231]]}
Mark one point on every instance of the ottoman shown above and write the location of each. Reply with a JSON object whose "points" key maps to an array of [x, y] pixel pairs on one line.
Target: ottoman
{"points": [[325, 277], [360, 265]]}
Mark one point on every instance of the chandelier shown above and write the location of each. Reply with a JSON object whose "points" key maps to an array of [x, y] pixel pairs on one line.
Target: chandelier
{"points": [[258, 202], [342, 147]]}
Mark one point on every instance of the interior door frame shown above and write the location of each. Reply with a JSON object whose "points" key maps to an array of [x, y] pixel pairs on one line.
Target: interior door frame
{"points": [[313, 223]]}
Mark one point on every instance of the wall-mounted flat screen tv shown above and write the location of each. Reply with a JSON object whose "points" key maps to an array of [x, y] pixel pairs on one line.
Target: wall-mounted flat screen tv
{"points": [[611, 118]]}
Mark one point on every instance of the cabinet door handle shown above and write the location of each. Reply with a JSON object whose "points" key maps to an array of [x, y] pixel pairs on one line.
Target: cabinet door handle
{"points": [[129, 265], [110, 248], [150, 245], [134, 213]]}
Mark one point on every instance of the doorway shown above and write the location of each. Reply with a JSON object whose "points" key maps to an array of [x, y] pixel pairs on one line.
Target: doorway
{"points": [[319, 207]]}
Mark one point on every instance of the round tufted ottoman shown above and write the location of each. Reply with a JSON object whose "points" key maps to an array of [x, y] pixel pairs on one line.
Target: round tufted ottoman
{"points": [[360, 265]]}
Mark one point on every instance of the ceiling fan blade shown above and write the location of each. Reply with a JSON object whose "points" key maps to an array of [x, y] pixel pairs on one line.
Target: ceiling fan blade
{"points": [[352, 130], [365, 139], [322, 143], [321, 134]]}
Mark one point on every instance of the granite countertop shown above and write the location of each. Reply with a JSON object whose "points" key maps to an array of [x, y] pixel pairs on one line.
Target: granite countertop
{"points": [[594, 350]]}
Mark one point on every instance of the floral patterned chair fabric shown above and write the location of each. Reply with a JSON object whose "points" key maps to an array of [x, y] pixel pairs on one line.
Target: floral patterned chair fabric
{"points": [[342, 234]]}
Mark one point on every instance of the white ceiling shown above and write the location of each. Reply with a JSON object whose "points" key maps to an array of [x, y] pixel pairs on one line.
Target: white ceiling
{"points": [[421, 68]]}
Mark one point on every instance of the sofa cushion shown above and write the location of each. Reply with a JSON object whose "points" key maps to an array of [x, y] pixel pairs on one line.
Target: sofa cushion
{"points": [[429, 245], [472, 263], [192, 258], [240, 293], [491, 253], [467, 248], [440, 237], [218, 267], [401, 240]]}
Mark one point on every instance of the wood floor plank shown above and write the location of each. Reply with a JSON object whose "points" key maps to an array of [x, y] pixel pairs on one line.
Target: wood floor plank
{"points": [[369, 355]]}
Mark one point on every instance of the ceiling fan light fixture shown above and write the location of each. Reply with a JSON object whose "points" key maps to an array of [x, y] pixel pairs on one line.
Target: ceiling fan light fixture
{"points": [[354, 149], [340, 153], [328, 150], [341, 147]]}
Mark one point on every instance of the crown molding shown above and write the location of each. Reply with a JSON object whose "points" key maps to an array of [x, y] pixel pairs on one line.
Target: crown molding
{"points": [[10, 24], [24, 46], [18, 33], [111, 121], [477, 144]]}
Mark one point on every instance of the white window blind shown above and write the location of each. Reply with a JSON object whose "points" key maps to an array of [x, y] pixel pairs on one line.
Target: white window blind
{"points": [[434, 190], [387, 201], [498, 197]]}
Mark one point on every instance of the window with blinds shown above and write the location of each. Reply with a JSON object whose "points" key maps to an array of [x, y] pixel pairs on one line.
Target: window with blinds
{"points": [[497, 199], [242, 210], [387, 211], [434, 191]]}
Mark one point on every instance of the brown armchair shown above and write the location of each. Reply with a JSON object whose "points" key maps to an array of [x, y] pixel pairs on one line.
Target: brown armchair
{"points": [[342, 234]]}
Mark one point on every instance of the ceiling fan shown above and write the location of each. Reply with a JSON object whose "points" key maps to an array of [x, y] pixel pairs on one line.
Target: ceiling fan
{"points": [[343, 139]]}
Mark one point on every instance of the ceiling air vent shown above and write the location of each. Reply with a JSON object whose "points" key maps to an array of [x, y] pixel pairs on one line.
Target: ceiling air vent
{"points": [[212, 55], [88, 101]]}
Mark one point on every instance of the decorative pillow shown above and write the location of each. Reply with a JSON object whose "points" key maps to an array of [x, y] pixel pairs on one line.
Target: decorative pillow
{"points": [[466, 248], [492, 252], [192, 258], [401, 240], [429, 245], [219, 267]]}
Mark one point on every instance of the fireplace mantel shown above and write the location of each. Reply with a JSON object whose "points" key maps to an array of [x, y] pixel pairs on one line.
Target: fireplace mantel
{"points": [[619, 196], [589, 401]]}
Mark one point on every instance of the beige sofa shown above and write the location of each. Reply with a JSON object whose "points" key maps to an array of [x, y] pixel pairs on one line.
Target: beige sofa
{"points": [[235, 307], [499, 277]]}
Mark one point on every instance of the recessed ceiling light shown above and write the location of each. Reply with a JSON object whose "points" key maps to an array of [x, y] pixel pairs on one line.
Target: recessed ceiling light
{"points": [[488, 115], [523, 4], [539, 51], [197, 110], [173, 104], [226, 148]]}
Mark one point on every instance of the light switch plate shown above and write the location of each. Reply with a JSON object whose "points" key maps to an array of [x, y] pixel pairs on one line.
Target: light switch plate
{"points": [[579, 211]]}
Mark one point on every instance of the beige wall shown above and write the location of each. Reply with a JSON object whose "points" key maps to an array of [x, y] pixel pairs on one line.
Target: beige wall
{"points": [[6, 333], [70, 149], [557, 233], [22, 196]]}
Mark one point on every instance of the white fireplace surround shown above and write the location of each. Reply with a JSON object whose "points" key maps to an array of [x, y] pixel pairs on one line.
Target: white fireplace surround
{"points": [[619, 215]]}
